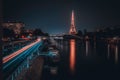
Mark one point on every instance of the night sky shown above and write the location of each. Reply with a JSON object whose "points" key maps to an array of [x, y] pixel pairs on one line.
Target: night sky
{"points": [[53, 16]]}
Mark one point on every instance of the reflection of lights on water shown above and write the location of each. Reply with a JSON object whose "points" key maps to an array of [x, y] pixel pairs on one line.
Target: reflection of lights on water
{"points": [[53, 70], [115, 49], [66, 46], [116, 54], [94, 46], [72, 55], [108, 51], [86, 48], [61, 46]]}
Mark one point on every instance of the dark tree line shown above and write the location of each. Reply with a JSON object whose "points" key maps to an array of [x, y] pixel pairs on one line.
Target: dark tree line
{"points": [[8, 33], [39, 32]]}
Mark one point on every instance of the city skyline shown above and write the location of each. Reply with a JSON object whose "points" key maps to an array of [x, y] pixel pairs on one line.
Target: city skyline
{"points": [[54, 16]]}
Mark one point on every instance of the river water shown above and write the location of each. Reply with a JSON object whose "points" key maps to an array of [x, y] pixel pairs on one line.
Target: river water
{"points": [[83, 60]]}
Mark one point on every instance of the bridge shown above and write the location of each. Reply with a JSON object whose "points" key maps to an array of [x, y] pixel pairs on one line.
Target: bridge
{"points": [[66, 36], [19, 60]]}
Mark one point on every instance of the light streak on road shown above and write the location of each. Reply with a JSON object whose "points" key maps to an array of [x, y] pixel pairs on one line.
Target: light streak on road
{"points": [[11, 56], [20, 57]]}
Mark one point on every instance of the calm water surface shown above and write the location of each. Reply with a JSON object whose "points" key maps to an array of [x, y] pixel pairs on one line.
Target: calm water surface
{"points": [[83, 60]]}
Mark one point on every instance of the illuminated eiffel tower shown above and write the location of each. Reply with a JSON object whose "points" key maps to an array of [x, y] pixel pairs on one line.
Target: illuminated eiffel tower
{"points": [[72, 27]]}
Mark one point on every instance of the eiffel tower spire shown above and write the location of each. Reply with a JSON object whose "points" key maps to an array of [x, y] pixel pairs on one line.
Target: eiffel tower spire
{"points": [[72, 27]]}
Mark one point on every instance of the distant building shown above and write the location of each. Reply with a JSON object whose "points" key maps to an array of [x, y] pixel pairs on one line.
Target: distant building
{"points": [[29, 30], [15, 26]]}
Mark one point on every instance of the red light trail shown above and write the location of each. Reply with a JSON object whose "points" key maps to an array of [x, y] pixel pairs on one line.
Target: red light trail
{"points": [[9, 57]]}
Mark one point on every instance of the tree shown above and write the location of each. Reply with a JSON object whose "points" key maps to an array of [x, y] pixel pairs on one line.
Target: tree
{"points": [[46, 34], [8, 33], [38, 32]]}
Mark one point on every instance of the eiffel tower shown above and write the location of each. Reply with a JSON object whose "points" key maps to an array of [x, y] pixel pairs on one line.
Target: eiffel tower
{"points": [[72, 27]]}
